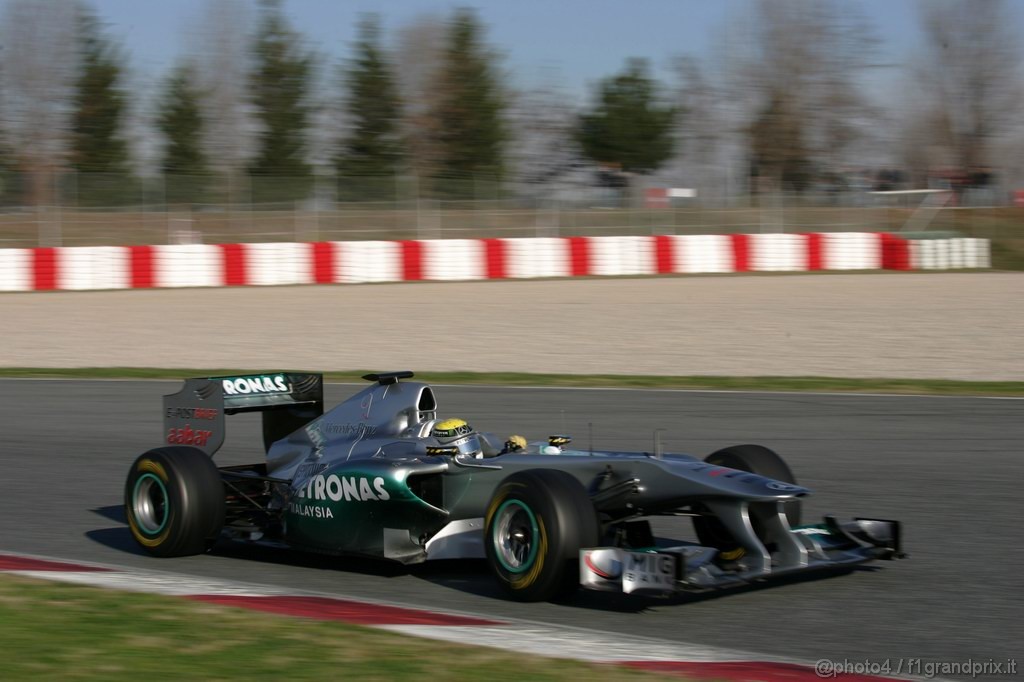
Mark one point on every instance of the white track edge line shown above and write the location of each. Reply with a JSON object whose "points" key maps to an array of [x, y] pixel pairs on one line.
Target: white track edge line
{"points": [[840, 394]]}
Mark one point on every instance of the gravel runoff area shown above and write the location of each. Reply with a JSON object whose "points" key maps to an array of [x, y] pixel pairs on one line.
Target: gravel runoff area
{"points": [[942, 326]]}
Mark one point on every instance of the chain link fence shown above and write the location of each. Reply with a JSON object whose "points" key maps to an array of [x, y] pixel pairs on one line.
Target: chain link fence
{"points": [[78, 209]]}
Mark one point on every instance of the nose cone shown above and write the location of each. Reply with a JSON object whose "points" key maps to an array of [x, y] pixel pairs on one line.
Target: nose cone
{"points": [[754, 486], [703, 479], [781, 489]]}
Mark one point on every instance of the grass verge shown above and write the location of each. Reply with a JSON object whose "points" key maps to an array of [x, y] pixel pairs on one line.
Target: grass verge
{"points": [[754, 383], [57, 631]]}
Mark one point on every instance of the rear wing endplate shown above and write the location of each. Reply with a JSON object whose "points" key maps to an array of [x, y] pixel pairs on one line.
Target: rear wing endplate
{"points": [[194, 415]]}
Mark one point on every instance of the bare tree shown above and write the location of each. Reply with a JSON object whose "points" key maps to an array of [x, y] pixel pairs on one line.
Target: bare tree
{"points": [[39, 65], [917, 146], [543, 153], [418, 56], [799, 74], [700, 128], [222, 64], [969, 77]]}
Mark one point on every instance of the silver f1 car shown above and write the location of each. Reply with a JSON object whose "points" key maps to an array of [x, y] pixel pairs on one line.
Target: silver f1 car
{"points": [[380, 476]]}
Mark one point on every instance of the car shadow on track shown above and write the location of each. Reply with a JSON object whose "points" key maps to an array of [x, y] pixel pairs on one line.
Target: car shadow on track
{"points": [[613, 602], [474, 577], [470, 576], [114, 512], [290, 557], [117, 537]]}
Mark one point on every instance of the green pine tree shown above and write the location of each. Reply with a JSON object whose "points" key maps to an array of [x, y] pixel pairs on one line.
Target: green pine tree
{"points": [[471, 133], [280, 88], [180, 120], [372, 154], [97, 145], [628, 129]]}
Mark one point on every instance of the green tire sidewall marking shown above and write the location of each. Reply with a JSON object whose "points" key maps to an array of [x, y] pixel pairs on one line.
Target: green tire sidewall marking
{"points": [[167, 503], [534, 537]]}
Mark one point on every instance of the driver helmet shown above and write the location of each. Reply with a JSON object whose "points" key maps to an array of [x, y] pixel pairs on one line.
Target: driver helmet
{"points": [[456, 433]]}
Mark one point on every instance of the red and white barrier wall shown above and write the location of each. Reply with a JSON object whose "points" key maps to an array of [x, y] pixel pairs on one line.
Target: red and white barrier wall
{"points": [[269, 264]]}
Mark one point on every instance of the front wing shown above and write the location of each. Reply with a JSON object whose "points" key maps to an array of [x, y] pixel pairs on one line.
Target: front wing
{"points": [[691, 567]]}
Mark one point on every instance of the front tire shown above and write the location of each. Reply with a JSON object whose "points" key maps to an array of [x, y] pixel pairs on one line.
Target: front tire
{"points": [[759, 460], [174, 501], [536, 523]]}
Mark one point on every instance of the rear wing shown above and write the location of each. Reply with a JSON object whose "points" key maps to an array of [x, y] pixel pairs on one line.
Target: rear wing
{"points": [[195, 415]]}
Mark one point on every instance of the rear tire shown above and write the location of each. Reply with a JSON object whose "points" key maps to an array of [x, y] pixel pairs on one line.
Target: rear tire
{"points": [[174, 501], [759, 460], [536, 523]]}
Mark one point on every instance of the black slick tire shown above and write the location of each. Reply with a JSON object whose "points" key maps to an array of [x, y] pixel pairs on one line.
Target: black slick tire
{"points": [[174, 501], [536, 523]]}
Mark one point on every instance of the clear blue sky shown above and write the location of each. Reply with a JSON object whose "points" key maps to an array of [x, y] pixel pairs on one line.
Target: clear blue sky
{"points": [[581, 40]]}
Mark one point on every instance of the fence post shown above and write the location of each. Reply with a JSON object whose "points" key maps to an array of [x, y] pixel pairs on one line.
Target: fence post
{"points": [[318, 194], [419, 217], [412, 200], [74, 184], [428, 210], [230, 206], [59, 241], [252, 200]]}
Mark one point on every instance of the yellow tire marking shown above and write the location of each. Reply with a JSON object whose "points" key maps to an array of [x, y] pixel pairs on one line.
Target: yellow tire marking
{"points": [[531, 576], [157, 469], [148, 542], [528, 578], [153, 467]]}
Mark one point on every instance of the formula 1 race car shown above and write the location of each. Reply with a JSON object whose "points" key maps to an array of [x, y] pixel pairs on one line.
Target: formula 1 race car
{"points": [[379, 475]]}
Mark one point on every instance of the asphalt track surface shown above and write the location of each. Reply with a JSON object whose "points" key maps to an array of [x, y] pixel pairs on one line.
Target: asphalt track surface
{"points": [[950, 468]]}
